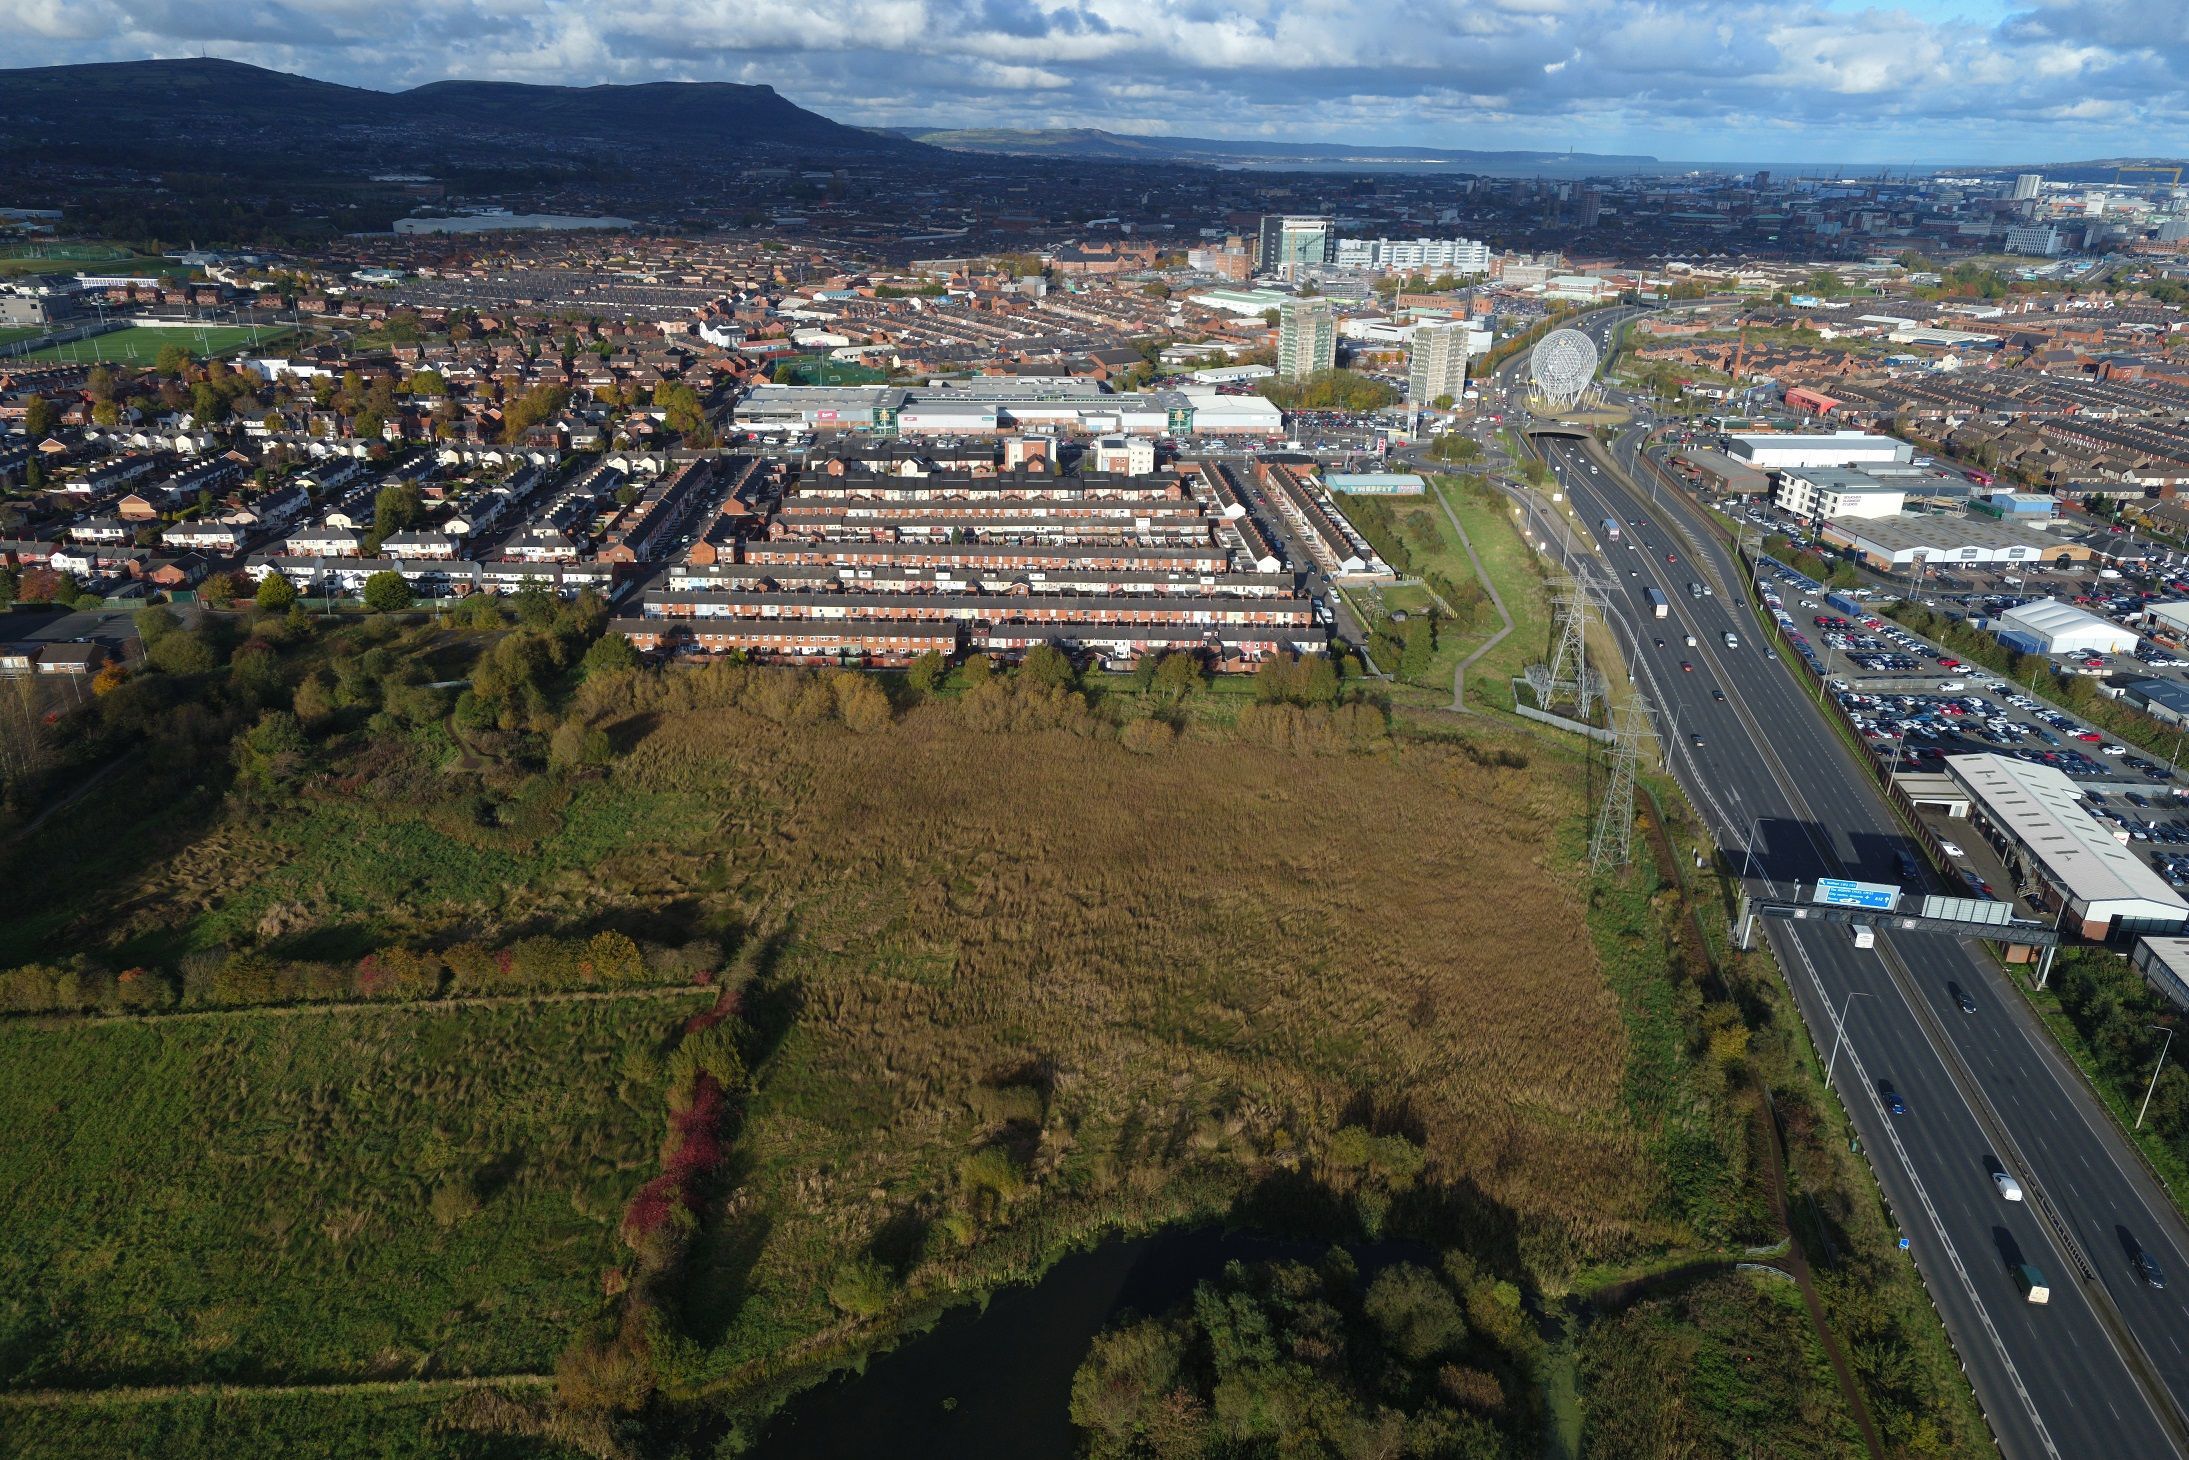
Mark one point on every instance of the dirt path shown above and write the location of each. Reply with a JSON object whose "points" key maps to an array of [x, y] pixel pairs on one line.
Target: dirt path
{"points": [[1459, 671], [372, 1006], [161, 1393]]}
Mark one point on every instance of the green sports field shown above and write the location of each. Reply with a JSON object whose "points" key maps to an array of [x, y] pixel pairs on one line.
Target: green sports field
{"points": [[141, 345]]}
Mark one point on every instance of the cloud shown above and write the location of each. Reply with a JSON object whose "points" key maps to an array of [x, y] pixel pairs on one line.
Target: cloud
{"points": [[1681, 78]]}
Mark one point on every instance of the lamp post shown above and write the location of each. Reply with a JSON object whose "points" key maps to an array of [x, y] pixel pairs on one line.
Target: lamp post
{"points": [[1840, 1028], [2155, 1069]]}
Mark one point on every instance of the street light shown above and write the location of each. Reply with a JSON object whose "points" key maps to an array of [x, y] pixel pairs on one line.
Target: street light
{"points": [[1841, 1027], [2155, 1069]]}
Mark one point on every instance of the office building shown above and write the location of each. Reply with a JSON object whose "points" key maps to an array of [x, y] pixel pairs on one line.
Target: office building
{"points": [[2041, 239], [1436, 364], [1778, 451], [1460, 256], [1289, 240], [1307, 338], [2027, 186]]}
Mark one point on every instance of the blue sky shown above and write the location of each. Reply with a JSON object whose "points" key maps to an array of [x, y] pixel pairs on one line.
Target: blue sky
{"points": [[1716, 80]]}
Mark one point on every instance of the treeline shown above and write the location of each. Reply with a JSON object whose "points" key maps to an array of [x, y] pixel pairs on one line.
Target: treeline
{"points": [[2123, 1023], [543, 963], [1327, 390], [1293, 1358]]}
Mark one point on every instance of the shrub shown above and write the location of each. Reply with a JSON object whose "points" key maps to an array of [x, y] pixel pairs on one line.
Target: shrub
{"points": [[276, 594], [386, 592], [861, 1288]]}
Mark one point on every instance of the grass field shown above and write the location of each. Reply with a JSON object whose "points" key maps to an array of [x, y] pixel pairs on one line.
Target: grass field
{"points": [[369, 1193], [9, 334], [70, 258], [1513, 567], [141, 344], [382, 1426]]}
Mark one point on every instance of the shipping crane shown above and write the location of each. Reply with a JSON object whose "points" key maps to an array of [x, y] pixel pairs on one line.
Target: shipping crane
{"points": [[2172, 174]]}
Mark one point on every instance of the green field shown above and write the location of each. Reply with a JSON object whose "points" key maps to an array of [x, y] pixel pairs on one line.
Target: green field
{"points": [[47, 258], [141, 345], [9, 334], [341, 1194]]}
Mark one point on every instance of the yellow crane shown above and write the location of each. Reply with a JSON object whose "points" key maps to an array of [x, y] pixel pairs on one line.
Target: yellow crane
{"points": [[2172, 174]]}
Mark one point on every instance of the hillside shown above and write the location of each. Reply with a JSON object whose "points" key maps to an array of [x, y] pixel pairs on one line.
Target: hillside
{"points": [[1092, 142], [181, 106]]}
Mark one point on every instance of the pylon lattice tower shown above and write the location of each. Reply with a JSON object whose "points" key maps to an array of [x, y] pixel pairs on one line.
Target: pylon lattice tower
{"points": [[1568, 671], [1612, 845]]}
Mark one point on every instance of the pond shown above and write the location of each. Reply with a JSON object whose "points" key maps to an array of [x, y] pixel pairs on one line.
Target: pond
{"points": [[999, 1381]]}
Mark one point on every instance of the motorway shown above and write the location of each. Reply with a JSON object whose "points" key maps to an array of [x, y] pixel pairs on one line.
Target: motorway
{"points": [[2103, 1370]]}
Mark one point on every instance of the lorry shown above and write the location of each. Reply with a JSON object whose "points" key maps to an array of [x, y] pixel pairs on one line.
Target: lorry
{"points": [[1864, 934], [1611, 529], [2032, 1283], [1659, 605]]}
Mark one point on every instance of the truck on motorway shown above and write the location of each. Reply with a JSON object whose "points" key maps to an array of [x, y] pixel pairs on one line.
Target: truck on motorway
{"points": [[1659, 605], [2032, 1284], [1611, 529], [1865, 936]]}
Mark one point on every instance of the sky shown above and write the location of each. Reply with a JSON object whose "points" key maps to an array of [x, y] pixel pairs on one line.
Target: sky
{"points": [[1924, 81]]}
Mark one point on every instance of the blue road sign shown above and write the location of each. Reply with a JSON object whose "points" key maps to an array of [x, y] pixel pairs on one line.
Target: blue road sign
{"points": [[1842, 892]]}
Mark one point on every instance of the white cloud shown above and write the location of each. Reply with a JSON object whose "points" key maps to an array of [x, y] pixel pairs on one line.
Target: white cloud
{"points": [[1679, 77]]}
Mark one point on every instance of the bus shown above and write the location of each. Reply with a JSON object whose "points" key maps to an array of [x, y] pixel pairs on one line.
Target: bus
{"points": [[1659, 605], [1980, 478], [1611, 529]]}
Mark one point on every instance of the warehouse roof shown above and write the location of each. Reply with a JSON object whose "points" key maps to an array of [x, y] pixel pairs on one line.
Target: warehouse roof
{"points": [[2052, 618], [1943, 534], [2042, 809]]}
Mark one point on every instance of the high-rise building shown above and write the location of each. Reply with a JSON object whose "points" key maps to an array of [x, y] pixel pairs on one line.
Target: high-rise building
{"points": [[2041, 239], [1461, 256], [1436, 364], [1292, 239], [1307, 338], [2027, 186], [1588, 206]]}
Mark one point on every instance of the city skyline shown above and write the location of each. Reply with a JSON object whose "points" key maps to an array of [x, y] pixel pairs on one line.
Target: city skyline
{"points": [[1727, 81]]}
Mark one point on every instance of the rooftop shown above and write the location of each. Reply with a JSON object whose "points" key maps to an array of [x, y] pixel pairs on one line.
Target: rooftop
{"points": [[2045, 813]]}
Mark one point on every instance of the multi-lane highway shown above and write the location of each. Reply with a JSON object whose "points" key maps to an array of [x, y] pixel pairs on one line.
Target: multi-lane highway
{"points": [[2103, 1369]]}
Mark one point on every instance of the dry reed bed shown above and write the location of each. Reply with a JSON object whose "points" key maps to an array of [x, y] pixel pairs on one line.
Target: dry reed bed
{"points": [[1208, 955]]}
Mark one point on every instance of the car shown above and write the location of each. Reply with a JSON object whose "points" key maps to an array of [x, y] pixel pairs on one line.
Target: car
{"points": [[1672, 557], [1951, 849], [1961, 998], [1660, 643], [1686, 668], [1718, 695], [1891, 1097], [2008, 1186], [2147, 1268], [1696, 741]]}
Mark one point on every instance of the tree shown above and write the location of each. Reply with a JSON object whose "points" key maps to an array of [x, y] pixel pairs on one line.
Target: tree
{"points": [[926, 672], [428, 382], [274, 752], [39, 417], [154, 622], [1177, 675], [396, 507], [386, 592], [182, 652], [1047, 666], [172, 360], [276, 594], [608, 654]]}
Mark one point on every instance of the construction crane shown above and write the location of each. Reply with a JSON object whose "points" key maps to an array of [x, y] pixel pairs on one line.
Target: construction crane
{"points": [[2172, 174]]}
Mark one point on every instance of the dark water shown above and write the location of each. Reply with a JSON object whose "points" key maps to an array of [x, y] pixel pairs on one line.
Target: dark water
{"points": [[999, 1382]]}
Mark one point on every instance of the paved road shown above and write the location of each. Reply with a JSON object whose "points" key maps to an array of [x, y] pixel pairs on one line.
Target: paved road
{"points": [[2057, 1380]]}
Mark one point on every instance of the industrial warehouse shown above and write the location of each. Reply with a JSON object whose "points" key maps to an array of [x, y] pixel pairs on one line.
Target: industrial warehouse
{"points": [[851, 565], [2034, 817]]}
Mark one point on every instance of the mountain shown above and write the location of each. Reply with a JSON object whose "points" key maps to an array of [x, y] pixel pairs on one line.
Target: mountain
{"points": [[1095, 144], [159, 108]]}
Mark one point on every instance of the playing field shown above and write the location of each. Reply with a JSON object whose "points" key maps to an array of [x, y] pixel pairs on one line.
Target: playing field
{"points": [[141, 344], [70, 258]]}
